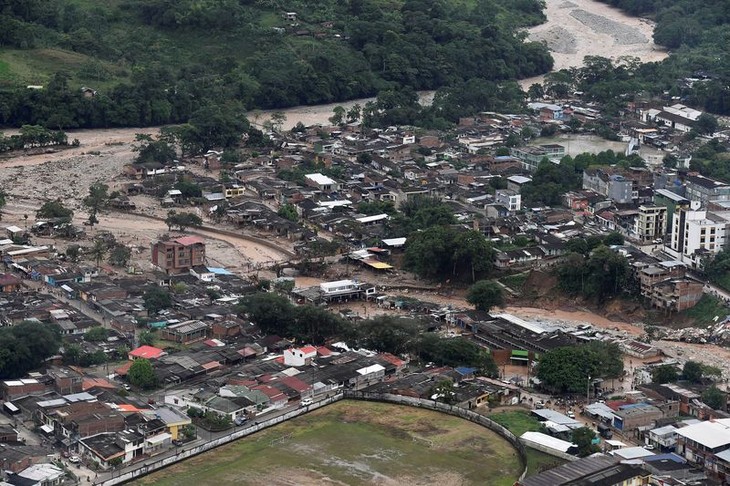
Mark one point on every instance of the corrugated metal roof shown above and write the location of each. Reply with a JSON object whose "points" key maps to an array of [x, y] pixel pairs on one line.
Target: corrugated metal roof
{"points": [[570, 471]]}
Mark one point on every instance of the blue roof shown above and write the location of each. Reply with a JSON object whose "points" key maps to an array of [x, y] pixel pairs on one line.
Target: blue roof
{"points": [[219, 271], [463, 370], [665, 457]]}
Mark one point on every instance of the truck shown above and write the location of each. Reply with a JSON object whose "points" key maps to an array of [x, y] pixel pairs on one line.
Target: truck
{"points": [[605, 431]]}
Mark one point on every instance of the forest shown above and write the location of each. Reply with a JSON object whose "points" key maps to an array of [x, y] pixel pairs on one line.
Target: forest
{"points": [[156, 62], [153, 62]]}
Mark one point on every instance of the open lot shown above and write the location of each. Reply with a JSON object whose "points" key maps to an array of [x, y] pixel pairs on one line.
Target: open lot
{"points": [[354, 442]]}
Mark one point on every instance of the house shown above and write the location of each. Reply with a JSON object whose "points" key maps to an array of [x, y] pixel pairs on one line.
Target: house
{"points": [[146, 352], [44, 474], [179, 255], [186, 332], [299, 356], [508, 198], [707, 444], [663, 438], [632, 416], [108, 449], [174, 421], [321, 182], [9, 283]]}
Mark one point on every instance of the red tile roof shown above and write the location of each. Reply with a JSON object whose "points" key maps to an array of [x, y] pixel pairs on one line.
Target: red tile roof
{"points": [[308, 350], [189, 240], [394, 360], [295, 383], [324, 351], [147, 352]]}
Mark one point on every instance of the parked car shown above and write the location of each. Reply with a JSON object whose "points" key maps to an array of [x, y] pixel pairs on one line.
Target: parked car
{"points": [[306, 402], [74, 459], [240, 421], [571, 414]]}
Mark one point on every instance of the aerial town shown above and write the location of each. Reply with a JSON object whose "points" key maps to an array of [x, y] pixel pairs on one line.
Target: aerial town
{"points": [[182, 335], [365, 242]]}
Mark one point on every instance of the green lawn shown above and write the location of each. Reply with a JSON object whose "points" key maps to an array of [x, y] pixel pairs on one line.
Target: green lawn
{"points": [[353, 443], [518, 422]]}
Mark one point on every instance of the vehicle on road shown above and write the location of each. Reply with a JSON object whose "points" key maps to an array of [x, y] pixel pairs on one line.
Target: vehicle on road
{"points": [[306, 402], [74, 459]]}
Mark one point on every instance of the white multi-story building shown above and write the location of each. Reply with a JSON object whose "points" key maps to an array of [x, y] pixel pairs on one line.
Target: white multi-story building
{"points": [[509, 199], [697, 233]]}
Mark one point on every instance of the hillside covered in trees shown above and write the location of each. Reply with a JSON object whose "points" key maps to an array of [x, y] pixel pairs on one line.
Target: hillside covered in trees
{"points": [[697, 33], [151, 62]]}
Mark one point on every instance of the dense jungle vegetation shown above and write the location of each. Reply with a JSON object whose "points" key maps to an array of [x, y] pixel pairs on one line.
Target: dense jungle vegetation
{"points": [[154, 62]]}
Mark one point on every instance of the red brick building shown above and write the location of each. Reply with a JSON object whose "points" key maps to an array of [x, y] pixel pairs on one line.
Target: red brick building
{"points": [[179, 255]]}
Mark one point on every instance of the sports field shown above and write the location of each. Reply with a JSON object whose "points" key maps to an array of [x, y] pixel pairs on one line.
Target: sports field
{"points": [[354, 442]]}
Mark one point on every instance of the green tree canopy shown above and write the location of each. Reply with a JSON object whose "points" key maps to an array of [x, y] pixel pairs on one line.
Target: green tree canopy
{"points": [[583, 438], [567, 369], [456, 352], [692, 371], [156, 299], [665, 374], [97, 333], [484, 295], [25, 346], [142, 375], [714, 398], [96, 200], [54, 210]]}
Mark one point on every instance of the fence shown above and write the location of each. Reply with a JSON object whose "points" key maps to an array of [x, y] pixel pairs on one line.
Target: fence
{"points": [[194, 451], [347, 394], [448, 409]]}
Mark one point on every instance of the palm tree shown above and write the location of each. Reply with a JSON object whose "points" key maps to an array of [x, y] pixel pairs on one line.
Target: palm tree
{"points": [[98, 251]]}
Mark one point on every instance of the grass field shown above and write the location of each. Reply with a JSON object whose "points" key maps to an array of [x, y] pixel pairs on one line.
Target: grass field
{"points": [[518, 422], [353, 443]]}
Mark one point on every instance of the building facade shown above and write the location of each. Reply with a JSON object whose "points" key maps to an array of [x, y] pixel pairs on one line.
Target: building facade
{"points": [[179, 255]]}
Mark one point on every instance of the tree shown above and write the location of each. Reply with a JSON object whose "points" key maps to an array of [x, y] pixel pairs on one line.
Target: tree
{"points": [[706, 124], [388, 334], [272, 313], [535, 92], [96, 334], [583, 438], [714, 398], [472, 252], [156, 299], [455, 352], [338, 115], [567, 369], [98, 251], [613, 238], [26, 346], [484, 295], [119, 255], [664, 374], [147, 338], [72, 354], [353, 114], [183, 220], [72, 252], [288, 211], [278, 119], [444, 391], [55, 210], [96, 199], [141, 374], [692, 371]]}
